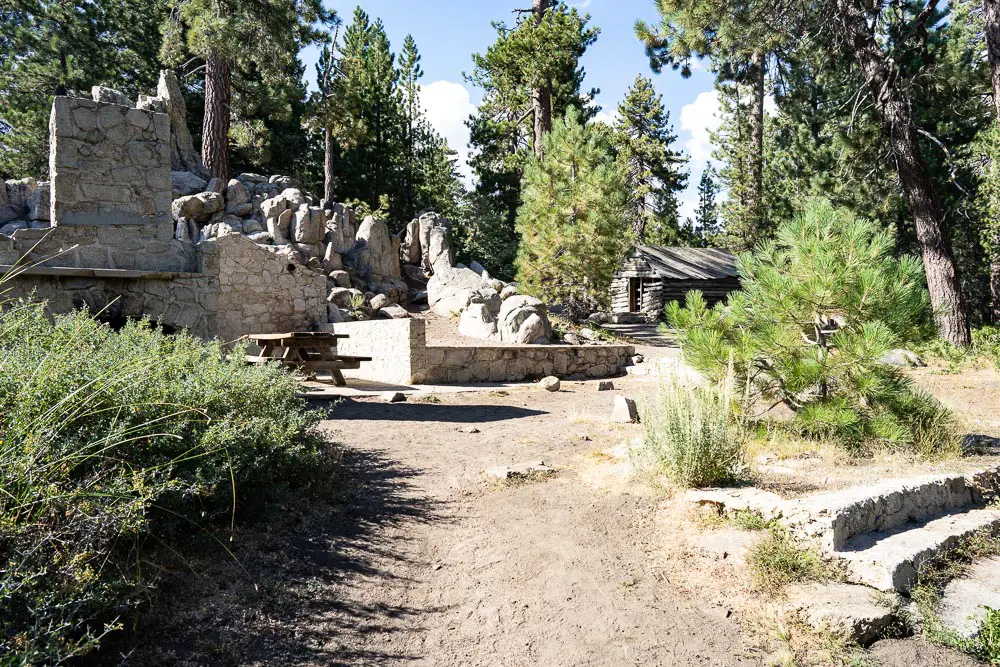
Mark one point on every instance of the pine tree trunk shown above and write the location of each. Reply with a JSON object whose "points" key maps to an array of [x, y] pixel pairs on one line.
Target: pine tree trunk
{"points": [[991, 26], [914, 175], [328, 166], [541, 96], [215, 128], [755, 196]]}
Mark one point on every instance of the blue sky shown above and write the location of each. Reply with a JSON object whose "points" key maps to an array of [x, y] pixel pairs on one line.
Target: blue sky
{"points": [[448, 32]]}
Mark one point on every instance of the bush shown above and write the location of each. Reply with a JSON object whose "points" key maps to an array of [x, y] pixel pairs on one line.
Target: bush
{"points": [[691, 435], [819, 306], [112, 441]]}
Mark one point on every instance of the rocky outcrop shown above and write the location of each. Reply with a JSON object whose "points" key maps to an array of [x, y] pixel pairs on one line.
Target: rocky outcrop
{"points": [[382, 260], [183, 156], [523, 319]]}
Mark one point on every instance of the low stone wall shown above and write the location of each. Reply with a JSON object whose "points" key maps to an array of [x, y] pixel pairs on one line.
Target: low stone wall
{"points": [[260, 291], [398, 349], [400, 355]]}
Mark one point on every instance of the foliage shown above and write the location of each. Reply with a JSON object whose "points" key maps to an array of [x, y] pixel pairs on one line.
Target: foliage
{"points": [[501, 129], [650, 167], [706, 228], [778, 560], [572, 222], [692, 435], [47, 44], [113, 443], [819, 306]]}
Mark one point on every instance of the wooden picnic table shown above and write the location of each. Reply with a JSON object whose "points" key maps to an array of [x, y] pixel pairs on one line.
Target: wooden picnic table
{"points": [[309, 350]]}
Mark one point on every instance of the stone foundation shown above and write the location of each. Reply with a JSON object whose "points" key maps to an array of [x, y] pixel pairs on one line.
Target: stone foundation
{"points": [[400, 355]]}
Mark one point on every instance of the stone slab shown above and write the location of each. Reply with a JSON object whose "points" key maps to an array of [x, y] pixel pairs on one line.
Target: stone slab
{"points": [[889, 560], [963, 601], [846, 609]]}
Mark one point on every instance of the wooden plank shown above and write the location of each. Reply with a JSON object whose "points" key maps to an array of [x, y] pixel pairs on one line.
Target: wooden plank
{"points": [[299, 336]]}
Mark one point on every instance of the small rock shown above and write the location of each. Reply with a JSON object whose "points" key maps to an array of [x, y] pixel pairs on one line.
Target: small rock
{"points": [[550, 383], [394, 312], [468, 429], [605, 385], [571, 339], [589, 334], [637, 359], [519, 470], [379, 301], [393, 397], [110, 95], [624, 411]]}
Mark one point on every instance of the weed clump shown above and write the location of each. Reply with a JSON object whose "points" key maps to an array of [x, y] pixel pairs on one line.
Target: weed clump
{"points": [[778, 560]]}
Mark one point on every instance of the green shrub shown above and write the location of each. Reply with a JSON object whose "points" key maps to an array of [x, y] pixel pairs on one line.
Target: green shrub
{"points": [[819, 306], [113, 441], [691, 434]]}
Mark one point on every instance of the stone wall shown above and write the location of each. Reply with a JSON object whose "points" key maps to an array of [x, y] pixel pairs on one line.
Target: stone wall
{"points": [[177, 301], [261, 291], [109, 164], [400, 355], [398, 349]]}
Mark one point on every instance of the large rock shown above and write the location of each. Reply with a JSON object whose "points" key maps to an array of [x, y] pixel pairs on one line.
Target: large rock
{"points": [[341, 228], [409, 247], [382, 260], [477, 322], [183, 156], [236, 193], [450, 291], [847, 610], [964, 599], [435, 243], [17, 199], [624, 411], [109, 95], [40, 202], [184, 183], [523, 319], [199, 207]]}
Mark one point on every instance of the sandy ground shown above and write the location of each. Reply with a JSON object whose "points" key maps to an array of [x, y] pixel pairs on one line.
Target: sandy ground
{"points": [[422, 561]]}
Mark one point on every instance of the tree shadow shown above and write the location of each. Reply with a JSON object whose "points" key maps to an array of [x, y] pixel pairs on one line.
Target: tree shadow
{"points": [[348, 410], [292, 593]]}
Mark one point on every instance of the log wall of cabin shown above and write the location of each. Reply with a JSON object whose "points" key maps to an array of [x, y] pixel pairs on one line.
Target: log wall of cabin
{"points": [[656, 292]]}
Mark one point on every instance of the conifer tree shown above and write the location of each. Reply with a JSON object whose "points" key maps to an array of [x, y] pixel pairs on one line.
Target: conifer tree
{"points": [[651, 169], [572, 222], [707, 226], [820, 306]]}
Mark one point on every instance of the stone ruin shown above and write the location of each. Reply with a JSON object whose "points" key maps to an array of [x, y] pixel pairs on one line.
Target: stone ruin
{"points": [[131, 225]]}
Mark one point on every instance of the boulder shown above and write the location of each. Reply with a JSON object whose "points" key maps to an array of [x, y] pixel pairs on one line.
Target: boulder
{"points": [[333, 314], [435, 243], [109, 95], [261, 237], [624, 411], [393, 311], [393, 397], [308, 225], [380, 301], [508, 291], [252, 226], [19, 196], [409, 247], [342, 297], [902, 358], [490, 298], [382, 260], [199, 207], [477, 322], [236, 193], [331, 260], [478, 268], [40, 199], [254, 179], [341, 228], [184, 183], [523, 319], [341, 278], [152, 103], [285, 182], [278, 226], [183, 156], [293, 196], [216, 185], [450, 291], [550, 383]]}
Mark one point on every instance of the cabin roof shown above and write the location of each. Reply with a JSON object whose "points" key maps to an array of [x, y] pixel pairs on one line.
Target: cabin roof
{"points": [[676, 263]]}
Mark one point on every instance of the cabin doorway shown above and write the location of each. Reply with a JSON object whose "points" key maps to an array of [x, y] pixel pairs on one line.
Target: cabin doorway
{"points": [[634, 294]]}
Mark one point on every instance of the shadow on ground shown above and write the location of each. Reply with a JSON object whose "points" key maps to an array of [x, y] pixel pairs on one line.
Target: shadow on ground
{"points": [[643, 333], [291, 598], [428, 412]]}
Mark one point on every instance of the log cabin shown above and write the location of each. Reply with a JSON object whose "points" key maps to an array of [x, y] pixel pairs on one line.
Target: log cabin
{"points": [[652, 276]]}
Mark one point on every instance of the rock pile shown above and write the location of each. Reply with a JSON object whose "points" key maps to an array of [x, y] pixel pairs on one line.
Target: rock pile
{"points": [[24, 203]]}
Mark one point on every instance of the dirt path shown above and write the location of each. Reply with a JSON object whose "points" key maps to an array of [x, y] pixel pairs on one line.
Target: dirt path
{"points": [[549, 573]]}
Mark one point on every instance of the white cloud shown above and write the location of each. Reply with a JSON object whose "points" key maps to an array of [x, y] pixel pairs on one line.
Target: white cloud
{"points": [[448, 105], [699, 119], [605, 117], [686, 209]]}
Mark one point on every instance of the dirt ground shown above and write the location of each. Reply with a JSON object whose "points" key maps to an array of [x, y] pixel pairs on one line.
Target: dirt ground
{"points": [[422, 561]]}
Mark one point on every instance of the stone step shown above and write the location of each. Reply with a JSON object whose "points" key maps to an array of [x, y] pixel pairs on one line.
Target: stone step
{"points": [[837, 516], [889, 560], [964, 600]]}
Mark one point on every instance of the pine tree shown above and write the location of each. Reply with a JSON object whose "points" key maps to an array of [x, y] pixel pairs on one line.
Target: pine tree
{"points": [[228, 35], [651, 169], [523, 57], [820, 305], [410, 73], [572, 222], [707, 225]]}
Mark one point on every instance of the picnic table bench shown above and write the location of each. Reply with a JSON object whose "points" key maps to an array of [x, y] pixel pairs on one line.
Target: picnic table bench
{"points": [[309, 350]]}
